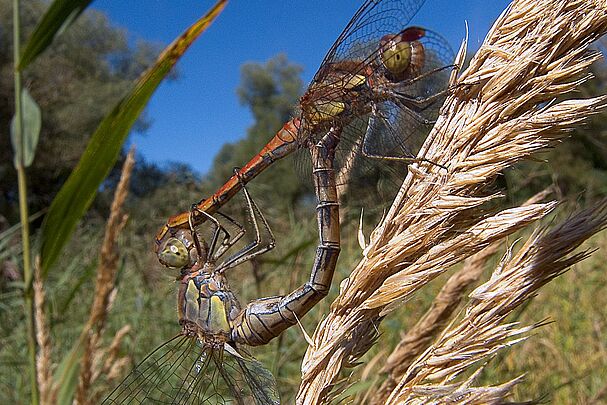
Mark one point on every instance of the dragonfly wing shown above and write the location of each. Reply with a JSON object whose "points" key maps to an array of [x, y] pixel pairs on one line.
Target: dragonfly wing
{"points": [[399, 118], [364, 178], [255, 381], [373, 20], [184, 371], [165, 376], [399, 124]]}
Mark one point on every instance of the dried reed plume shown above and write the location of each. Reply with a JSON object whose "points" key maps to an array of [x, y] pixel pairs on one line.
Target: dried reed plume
{"points": [[104, 286], [421, 335], [499, 111], [516, 279], [43, 341]]}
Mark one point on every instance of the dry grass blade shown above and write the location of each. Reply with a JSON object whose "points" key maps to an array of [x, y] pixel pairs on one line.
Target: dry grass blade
{"points": [[501, 110], [112, 357], [104, 284], [438, 315], [108, 363], [543, 257]]}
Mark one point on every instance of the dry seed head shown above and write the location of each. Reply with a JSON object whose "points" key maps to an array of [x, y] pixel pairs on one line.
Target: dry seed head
{"points": [[493, 118], [91, 360], [545, 255], [44, 365]]}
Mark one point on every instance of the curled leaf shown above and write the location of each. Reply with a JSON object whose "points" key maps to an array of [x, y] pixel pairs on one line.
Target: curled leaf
{"points": [[24, 144]]}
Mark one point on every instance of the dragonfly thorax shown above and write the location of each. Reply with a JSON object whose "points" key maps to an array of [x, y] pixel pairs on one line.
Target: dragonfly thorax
{"points": [[207, 307], [332, 94]]}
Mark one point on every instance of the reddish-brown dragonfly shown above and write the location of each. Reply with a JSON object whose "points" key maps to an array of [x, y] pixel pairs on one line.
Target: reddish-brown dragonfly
{"points": [[376, 90]]}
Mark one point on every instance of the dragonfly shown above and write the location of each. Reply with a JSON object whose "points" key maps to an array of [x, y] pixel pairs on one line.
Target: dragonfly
{"points": [[377, 87], [202, 365]]}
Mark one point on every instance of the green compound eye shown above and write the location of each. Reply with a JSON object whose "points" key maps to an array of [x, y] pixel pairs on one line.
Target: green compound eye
{"points": [[174, 254], [396, 56]]}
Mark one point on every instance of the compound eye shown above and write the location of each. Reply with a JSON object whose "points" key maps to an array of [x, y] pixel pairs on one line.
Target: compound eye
{"points": [[174, 254], [396, 55]]}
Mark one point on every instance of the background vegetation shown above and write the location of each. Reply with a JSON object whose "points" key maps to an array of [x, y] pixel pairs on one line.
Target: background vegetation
{"points": [[566, 361]]}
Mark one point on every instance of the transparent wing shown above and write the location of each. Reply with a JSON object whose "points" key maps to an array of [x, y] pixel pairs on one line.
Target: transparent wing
{"points": [[398, 123], [373, 20], [387, 121], [184, 371], [395, 127], [256, 384]]}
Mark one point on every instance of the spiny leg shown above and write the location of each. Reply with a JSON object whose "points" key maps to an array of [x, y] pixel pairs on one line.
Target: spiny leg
{"points": [[259, 245], [266, 318], [416, 104], [253, 249], [366, 148], [409, 82], [227, 241]]}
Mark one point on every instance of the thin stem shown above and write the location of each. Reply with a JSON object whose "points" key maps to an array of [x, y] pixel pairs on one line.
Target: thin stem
{"points": [[23, 211]]}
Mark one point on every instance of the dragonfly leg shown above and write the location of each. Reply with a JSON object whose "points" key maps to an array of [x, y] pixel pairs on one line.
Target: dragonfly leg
{"points": [[208, 252], [229, 240], [264, 238], [409, 82], [421, 103], [264, 319], [364, 146]]}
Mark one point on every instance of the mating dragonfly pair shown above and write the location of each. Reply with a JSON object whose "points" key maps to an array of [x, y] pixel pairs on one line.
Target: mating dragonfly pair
{"points": [[378, 87]]}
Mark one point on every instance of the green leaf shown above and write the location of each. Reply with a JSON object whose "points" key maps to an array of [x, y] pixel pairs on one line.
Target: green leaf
{"points": [[66, 375], [7, 245], [105, 144], [30, 132], [60, 15]]}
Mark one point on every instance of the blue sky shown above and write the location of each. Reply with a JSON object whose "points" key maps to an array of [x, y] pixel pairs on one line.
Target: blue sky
{"points": [[195, 115]]}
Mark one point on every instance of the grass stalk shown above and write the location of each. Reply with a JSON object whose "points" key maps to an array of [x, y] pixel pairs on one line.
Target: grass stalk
{"points": [[23, 208], [104, 288]]}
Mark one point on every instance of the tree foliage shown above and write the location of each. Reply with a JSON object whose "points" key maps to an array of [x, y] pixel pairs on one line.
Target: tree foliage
{"points": [[86, 70], [270, 90]]}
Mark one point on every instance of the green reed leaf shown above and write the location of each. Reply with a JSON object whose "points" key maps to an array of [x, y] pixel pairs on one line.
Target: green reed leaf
{"points": [[60, 15], [105, 144]]}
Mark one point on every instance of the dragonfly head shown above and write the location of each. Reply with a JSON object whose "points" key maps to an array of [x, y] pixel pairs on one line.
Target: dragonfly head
{"points": [[177, 250], [401, 52]]}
